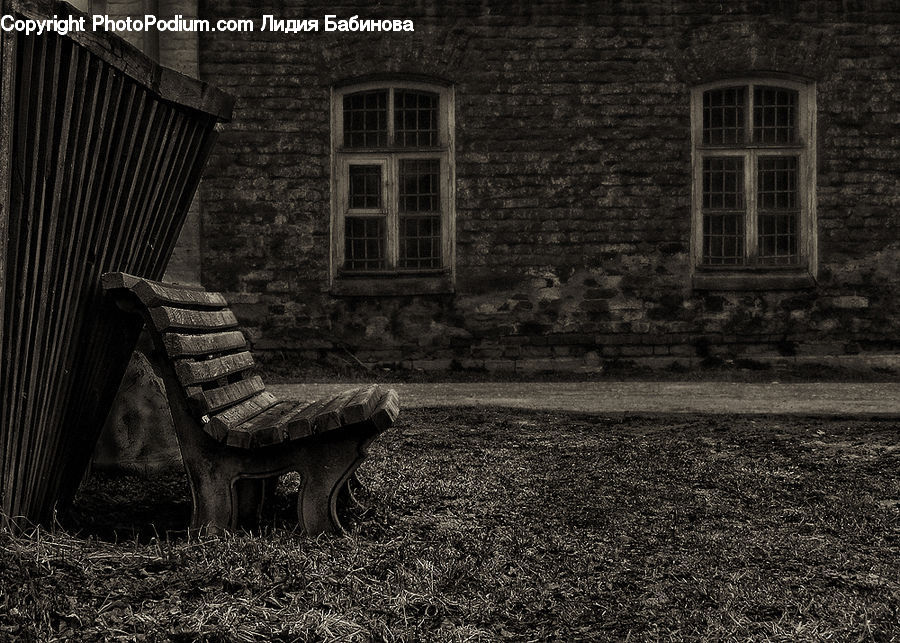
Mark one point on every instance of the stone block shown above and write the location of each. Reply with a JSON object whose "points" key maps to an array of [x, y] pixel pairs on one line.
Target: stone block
{"points": [[139, 435], [850, 302]]}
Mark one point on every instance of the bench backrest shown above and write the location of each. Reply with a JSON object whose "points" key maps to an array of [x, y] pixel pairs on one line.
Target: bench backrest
{"points": [[202, 341]]}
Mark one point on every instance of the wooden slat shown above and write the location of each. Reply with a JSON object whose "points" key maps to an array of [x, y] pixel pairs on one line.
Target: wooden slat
{"points": [[329, 417], [9, 265], [28, 240], [91, 224], [201, 142], [178, 345], [7, 106], [47, 340], [154, 293], [239, 438], [118, 281], [268, 427], [119, 205], [167, 199], [167, 318], [287, 421], [190, 372], [156, 201], [221, 423], [78, 281], [300, 423], [360, 406], [386, 411], [349, 407], [219, 398]]}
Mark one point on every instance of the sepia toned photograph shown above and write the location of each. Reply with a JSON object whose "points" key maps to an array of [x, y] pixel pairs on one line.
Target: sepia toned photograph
{"points": [[450, 321]]}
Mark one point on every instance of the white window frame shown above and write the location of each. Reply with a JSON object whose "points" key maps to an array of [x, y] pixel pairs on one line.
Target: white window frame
{"points": [[389, 158], [804, 149]]}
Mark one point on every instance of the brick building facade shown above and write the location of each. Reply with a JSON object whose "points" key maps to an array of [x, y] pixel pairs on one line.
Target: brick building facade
{"points": [[597, 180]]}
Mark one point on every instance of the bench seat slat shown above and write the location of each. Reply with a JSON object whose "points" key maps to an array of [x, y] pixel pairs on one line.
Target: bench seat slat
{"points": [[223, 422], [300, 423], [222, 397], [153, 293], [329, 416], [167, 318], [286, 422], [267, 428], [190, 372], [180, 345], [360, 405], [387, 410], [261, 430]]}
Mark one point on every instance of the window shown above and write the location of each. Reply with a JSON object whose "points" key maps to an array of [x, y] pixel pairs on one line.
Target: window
{"points": [[392, 187], [754, 184]]}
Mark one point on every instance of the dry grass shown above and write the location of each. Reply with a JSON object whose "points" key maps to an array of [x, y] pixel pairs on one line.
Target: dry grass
{"points": [[489, 525]]}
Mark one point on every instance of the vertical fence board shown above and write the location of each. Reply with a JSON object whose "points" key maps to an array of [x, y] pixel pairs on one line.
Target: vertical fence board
{"points": [[7, 105]]}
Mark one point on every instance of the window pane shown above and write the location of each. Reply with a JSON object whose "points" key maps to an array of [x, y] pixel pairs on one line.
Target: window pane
{"points": [[777, 183], [365, 187], [365, 119], [420, 242], [420, 185], [723, 183], [774, 115], [723, 239], [723, 190], [778, 204], [364, 243], [723, 116], [778, 238], [415, 118]]}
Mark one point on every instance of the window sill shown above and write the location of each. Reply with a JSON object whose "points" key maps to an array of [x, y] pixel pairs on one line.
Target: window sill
{"points": [[753, 279], [391, 285]]}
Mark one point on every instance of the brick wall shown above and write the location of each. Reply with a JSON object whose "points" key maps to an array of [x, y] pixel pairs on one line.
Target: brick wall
{"points": [[573, 166]]}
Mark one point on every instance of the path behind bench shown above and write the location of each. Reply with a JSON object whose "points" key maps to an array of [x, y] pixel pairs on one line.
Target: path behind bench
{"points": [[824, 398]]}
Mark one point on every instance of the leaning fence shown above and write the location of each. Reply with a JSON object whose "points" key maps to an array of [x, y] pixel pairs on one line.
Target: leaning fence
{"points": [[101, 151]]}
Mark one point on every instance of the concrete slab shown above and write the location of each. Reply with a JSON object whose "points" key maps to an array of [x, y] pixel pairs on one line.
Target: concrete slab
{"points": [[826, 398]]}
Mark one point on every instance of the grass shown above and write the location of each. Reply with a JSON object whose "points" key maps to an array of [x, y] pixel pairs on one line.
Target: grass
{"points": [[491, 525]]}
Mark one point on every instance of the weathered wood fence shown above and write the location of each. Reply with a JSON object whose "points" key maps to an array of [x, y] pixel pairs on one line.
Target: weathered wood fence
{"points": [[101, 151]]}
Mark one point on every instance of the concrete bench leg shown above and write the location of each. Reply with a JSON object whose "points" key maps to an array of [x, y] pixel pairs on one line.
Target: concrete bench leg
{"points": [[322, 483], [213, 503]]}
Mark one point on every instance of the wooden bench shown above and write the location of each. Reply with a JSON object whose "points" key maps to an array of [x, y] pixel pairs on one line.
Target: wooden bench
{"points": [[234, 436]]}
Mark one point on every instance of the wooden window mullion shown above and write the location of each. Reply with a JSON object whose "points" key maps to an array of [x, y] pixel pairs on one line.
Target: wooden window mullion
{"points": [[392, 220], [392, 208], [750, 220]]}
